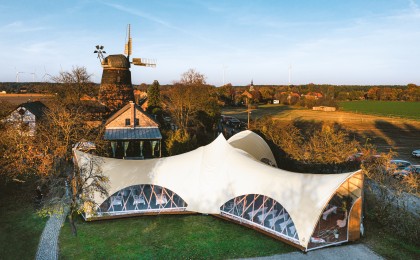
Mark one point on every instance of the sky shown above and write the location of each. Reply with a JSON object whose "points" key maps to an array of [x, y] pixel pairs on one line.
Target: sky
{"points": [[360, 42]]}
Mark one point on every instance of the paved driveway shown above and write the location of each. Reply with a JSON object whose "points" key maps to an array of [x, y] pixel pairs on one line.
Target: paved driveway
{"points": [[357, 251]]}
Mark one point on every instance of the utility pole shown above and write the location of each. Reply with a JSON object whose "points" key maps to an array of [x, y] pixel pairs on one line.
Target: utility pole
{"points": [[249, 113], [224, 71]]}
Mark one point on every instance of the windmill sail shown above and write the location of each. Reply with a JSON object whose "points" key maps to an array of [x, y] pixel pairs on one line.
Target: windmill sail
{"points": [[144, 62], [129, 44]]}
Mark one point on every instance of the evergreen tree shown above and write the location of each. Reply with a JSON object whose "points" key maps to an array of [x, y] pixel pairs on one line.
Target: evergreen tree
{"points": [[153, 96]]}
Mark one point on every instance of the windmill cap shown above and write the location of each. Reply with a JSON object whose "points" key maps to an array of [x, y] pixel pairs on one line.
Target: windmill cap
{"points": [[116, 61]]}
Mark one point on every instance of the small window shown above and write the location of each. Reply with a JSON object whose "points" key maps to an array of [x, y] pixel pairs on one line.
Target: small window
{"points": [[137, 121], [127, 121]]}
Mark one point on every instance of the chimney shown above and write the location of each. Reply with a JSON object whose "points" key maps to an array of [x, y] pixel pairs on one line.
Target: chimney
{"points": [[133, 114]]}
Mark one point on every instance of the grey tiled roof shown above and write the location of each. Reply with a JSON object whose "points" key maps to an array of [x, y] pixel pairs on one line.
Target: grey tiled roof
{"points": [[132, 133]]}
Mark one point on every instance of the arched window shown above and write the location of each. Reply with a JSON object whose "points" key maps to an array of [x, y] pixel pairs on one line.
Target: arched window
{"points": [[261, 212], [142, 199]]}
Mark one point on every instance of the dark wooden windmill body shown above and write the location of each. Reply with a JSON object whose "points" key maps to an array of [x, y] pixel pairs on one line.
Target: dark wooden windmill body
{"points": [[116, 89]]}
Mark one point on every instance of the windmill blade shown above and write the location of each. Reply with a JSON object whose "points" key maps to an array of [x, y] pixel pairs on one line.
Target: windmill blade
{"points": [[144, 62]]}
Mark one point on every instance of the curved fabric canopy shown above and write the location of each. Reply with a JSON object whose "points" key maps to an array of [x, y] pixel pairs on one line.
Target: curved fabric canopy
{"points": [[209, 176]]}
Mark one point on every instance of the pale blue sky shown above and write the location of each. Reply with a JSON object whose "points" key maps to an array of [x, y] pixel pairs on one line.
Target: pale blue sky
{"points": [[325, 41]]}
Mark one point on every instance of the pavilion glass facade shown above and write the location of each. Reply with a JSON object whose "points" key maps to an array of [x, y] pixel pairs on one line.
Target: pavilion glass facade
{"points": [[143, 198]]}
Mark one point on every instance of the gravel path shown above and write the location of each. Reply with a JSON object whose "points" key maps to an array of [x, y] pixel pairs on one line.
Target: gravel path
{"points": [[48, 244], [345, 252]]}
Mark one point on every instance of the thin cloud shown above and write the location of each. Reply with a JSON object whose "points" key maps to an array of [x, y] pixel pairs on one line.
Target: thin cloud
{"points": [[414, 7], [151, 18], [20, 27], [167, 25]]}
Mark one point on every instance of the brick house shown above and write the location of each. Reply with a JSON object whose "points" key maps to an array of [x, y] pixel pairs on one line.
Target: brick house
{"points": [[133, 134]]}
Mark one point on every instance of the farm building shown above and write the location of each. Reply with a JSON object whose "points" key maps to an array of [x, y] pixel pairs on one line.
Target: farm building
{"points": [[324, 108], [236, 180]]}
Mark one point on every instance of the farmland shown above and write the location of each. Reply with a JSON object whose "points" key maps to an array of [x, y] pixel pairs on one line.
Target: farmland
{"points": [[17, 99], [399, 134], [384, 108]]}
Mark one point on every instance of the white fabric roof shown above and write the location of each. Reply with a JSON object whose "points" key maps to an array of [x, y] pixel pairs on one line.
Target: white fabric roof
{"points": [[209, 176]]}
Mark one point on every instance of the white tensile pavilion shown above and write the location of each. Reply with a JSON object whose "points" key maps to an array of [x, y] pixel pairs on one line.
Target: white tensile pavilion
{"points": [[236, 180]]}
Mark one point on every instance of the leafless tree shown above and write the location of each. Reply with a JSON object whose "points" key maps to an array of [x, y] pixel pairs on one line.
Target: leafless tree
{"points": [[77, 83], [190, 95]]}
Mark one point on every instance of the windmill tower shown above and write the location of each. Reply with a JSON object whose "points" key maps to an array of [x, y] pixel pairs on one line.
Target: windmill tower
{"points": [[116, 89]]}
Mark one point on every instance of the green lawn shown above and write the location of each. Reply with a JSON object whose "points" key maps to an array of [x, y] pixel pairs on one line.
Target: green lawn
{"points": [[409, 110], [166, 237], [20, 227], [385, 243]]}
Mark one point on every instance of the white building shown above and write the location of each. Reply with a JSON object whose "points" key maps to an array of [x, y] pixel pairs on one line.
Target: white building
{"points": [[26, 115]]}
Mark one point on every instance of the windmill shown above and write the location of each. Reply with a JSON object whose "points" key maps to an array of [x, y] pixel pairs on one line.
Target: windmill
{"points": [[17, 75], [116, 89], [290, 74], [34, 76], [46, 75], [100, 51]]}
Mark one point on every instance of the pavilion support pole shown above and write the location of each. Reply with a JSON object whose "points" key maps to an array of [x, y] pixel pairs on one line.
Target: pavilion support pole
{"points": [[153, 147], [114, 147], [141, 149], [160, 148], [126, 143]]}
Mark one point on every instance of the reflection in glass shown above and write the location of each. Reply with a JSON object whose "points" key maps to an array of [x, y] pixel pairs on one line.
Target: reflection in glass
{"points": [[142, 199], [263, 213], [332, 227]]}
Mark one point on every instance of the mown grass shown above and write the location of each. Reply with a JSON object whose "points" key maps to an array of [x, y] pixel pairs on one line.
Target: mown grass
{"points": [[166, 237], [20, 226], [385, 243], [409, 110]]}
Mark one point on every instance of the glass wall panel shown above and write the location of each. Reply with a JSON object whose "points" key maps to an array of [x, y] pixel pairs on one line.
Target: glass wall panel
{"points": [[263, 213], [332, 227], [142, 199]]}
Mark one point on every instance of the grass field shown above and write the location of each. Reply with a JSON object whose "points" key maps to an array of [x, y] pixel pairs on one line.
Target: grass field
{"points": [[166, 237], [20, 226], [384, 108], [399, 134], [17, 99]]}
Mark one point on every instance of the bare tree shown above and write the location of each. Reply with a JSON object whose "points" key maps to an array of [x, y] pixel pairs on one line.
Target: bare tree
{"points": [[189, 96], [77, 83], [192, 77], [48, 156]]}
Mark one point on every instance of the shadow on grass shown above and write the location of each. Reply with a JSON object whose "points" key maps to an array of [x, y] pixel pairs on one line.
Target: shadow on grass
{"points": [[407, 136]]}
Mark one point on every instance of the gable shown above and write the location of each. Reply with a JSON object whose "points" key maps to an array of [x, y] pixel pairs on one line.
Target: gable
{"points": [[120, 119], [18, 116]]}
